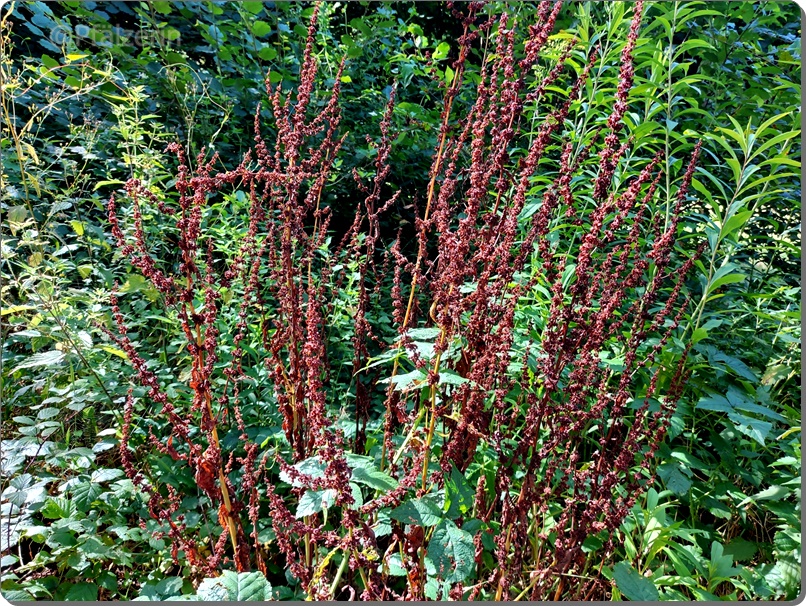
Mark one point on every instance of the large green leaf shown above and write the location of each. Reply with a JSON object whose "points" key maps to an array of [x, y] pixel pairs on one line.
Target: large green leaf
{"points": [[374, 478], [42, 358], [85, 493], [404, 382], [741, 549], [423, 334], [720, 359], [314, 501], [633, 585], [420, 512], [18, 595], [716, 403], [742, 400], [238, 587], [106, 475], [57, 508], [785, 576], [675, 479], [451, 553], [82, 592], [752, 428], [459, 495]]}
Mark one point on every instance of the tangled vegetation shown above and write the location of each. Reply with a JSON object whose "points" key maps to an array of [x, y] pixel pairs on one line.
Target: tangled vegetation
{"points": [[401, 301]]}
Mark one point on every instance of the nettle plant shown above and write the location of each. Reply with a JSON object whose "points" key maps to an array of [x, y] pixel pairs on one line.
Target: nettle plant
{"points": [[512, 371]]}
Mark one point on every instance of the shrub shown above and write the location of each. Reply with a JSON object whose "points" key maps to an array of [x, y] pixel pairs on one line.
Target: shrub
{"points": [[480, 452]]}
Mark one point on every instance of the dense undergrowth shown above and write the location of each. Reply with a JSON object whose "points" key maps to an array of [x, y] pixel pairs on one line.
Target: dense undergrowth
{"points": [[459, 304]]}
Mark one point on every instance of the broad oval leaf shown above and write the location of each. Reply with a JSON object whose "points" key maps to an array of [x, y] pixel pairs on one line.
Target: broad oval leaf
{"points": [[315, 501], [374, 478], [419, 512], [451, 553]]}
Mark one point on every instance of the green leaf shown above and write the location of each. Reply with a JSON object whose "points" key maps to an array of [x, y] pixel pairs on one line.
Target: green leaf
{"points": [[82, 592], [42, 358], [691, 44], [18, 595], [93, 548], [786, 461], [592, 543], [61, 537], [314, 501], [633, 585], [163, 7], [773, 493], [358, 498], [759, 410], [741, 400], [58, 508], [419, 512], [424, 349], [85, 493], [169, 586], [451, 553], [448, 377], [786, 541], [238, 587], [253, 6], [775, 373], [216, 35], [675, 480], [374, 478], [423, 334], [737, 135], [716, 403], [355, 460], [698, 335], [105, 475], [442, 50], [101, 184], [15, 309], [735, 222], [410, 380], [752, 428], [260, 29], [726, 279], [720, 567], [459, 495], [267, 53], [114, 351], [716, 357], [382, 527], [741, 549], [396, 568], [784, 577]]}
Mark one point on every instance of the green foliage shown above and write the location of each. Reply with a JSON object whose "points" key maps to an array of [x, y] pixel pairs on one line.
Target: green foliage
{"points": [[230, 586]]}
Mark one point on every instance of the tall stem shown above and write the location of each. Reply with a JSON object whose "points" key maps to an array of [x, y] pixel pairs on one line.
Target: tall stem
{"points": [[427, 214]]}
